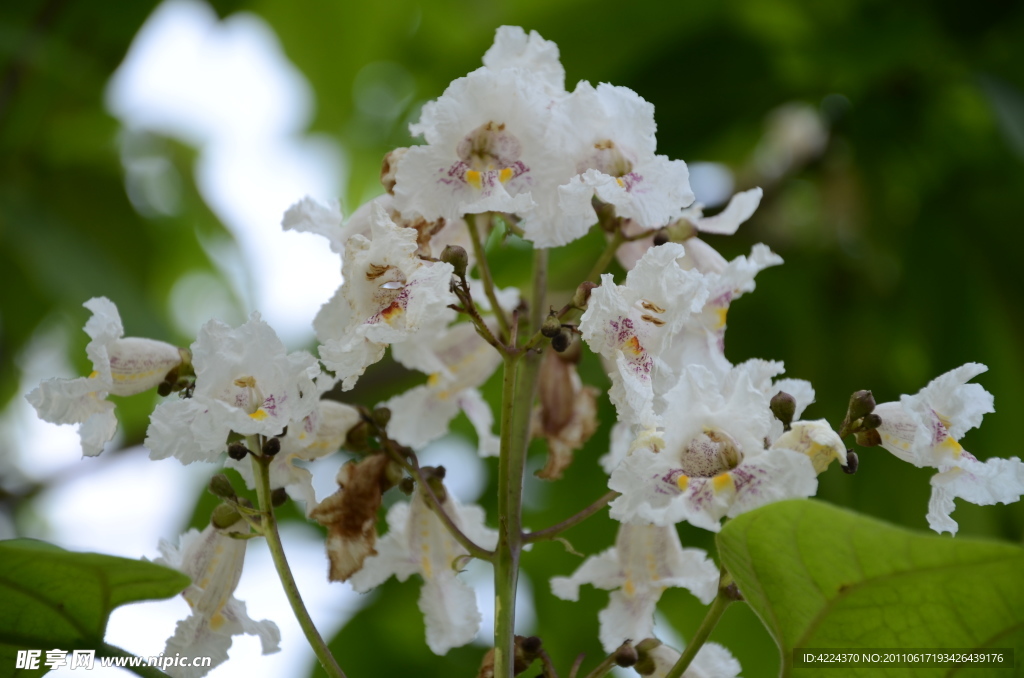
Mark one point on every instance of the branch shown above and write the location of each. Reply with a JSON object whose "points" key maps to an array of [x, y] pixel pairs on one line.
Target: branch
{"points": [[556, 529], [412, 465], [485, 274]]}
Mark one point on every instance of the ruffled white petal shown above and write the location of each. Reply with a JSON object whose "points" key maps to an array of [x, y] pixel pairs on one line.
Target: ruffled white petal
{"points": [[310, 216], [450, 612]]}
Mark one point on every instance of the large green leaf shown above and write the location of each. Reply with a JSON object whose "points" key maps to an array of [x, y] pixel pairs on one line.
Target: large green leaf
{"points": [[823, 577], [59, 599]]}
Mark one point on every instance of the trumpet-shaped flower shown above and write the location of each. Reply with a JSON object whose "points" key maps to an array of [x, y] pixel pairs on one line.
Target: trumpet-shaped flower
{"points": [[495, 138], [122, 366], [703, 340], [417, 542], [645, 561], [699, 255], [388, 295], [213, 560], [925, 429], [710, 461], [614, 151], [246, 383], [632, 324]]}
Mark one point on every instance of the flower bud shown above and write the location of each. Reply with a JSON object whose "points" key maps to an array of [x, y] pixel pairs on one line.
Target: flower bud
{"points": [[224, 516], [660, 238], [407, 486], [237, 451], [278, 497], [271, 447], [626, 655], [220, 486], [457, 257], [645, 664], [165, 388], [582, 295], [783, 407], [551, 327], [852, 461], [562, 340], [870, 422], [381, 417], [862, 403]]}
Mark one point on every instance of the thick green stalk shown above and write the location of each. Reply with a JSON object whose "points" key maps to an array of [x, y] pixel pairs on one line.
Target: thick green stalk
{"points": [[284, 572], [518, 387], [506, 556]]}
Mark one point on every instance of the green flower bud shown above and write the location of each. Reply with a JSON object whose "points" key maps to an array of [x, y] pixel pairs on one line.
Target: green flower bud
{"points": [[783, 407], [457, 257], [220, 486]]}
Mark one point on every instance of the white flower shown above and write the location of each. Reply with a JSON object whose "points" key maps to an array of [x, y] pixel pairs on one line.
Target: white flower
{"points": [[710, 460], [122, 366], [417, 542], [644, 562], [318, 434], [513, 48], [494, 143], [712, 661], [388, 295], [213, 560], [310, 216], [924, 429], [703, 340], [245, 383], [614, 151], [632, 324], [699, 255], [459, 361]]}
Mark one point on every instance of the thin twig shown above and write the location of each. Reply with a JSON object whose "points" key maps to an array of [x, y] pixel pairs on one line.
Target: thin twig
{"points": [[558, 528], [485, 274], [412, 465]]}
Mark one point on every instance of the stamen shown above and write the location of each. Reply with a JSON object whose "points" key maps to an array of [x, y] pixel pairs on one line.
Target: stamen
{"points": [[651, 319]]}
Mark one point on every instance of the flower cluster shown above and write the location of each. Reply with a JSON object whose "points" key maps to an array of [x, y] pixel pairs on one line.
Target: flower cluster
{"points": [[698, 439]]}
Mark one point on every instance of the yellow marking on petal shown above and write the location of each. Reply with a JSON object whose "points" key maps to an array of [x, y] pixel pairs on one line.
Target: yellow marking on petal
{"points": [[723, 481], [474, 179], [217, 621], [633, 346], [620, 182], [246, 382], [683, 482], [628, 587], [504, 175], [434, 379], [721, 313], [204, 582], [392, 312], [94, 374], [426, 567], [953, 447], [259, 415]]}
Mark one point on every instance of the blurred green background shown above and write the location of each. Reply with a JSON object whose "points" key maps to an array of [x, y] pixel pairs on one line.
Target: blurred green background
{"points": [[901, 236]]}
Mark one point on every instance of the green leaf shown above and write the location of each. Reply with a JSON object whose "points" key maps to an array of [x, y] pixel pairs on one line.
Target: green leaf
{"points": [[823, 577], [54, 598]]}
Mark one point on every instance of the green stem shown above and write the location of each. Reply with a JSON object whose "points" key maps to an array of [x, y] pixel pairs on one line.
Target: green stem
{"points": [[558, 528], [260, 469], [518, 388], [506, 557], [606, 257], [718, 606], [485, 274], [412, 466], [144, 669]]}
